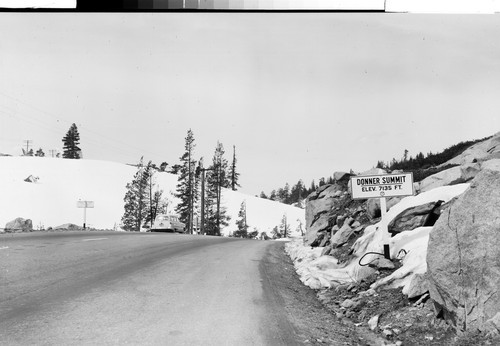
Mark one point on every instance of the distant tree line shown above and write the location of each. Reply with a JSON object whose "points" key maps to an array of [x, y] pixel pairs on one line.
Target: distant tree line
{"points": [[421, 165], [297, 193]]}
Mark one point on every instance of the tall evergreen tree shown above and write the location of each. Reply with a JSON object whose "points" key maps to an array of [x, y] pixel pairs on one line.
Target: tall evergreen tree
{"points": [[241, 223], [284, 227], [153, 194], [273, 196], [297, 192], [233, 174], [186, 188], [136, 200], [216, 215], [71, 141]]}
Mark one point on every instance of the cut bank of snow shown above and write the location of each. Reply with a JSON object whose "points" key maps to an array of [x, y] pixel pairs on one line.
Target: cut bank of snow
{"points": [[318, 271], [52, 200]]}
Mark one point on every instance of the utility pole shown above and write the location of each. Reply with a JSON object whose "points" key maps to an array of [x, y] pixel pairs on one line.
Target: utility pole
{"points": [[52, 152]]}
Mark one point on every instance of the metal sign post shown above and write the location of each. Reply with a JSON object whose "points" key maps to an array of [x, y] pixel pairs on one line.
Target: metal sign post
{"points": [[381, 187], [85, 205]]}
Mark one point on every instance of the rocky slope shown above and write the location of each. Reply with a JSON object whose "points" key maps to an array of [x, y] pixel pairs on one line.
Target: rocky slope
{"points": [[442, 284]]}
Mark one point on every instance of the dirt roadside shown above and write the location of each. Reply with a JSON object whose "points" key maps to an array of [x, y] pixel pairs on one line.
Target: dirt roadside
{"points": [[311, 322]]}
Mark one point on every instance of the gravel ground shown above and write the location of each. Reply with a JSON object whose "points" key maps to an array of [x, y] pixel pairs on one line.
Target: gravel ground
{"points": [[311, 321]]}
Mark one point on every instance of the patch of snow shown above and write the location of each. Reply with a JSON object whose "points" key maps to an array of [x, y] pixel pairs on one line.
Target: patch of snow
{"points": [[62, 182], [318, 271]]}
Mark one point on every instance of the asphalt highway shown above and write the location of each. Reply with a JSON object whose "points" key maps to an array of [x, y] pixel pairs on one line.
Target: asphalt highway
{"points": [[115, 288]]}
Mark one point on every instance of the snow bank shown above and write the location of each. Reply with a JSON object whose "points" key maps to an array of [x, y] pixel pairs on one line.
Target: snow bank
{"points": [[262, 214], [51, 200], [318, 271]]}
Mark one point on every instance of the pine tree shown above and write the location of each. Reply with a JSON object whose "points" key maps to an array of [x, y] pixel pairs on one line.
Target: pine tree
{"points": [[297, 192], [284, 227], [40, 153], [241, 223], [284, 194], [233, 174], [136, 200], [273, 196], [216, 216], [71, 141], [154, 197], [186, 189]]}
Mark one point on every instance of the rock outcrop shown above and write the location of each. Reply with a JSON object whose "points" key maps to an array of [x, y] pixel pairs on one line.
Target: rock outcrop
{"points": [[19, 225], [32, 179], [411, 218], [320, 211], [450, 176], [479, 152], [68, 227], [463, 256]]}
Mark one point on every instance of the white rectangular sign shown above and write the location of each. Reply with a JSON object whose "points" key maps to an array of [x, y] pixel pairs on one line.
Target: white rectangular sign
{"points": [[85, 204], [376, 186]]}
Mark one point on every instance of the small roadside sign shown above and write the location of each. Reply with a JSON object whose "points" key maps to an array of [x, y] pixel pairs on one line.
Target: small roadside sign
{"points": [[85, 204], [377, 186]]}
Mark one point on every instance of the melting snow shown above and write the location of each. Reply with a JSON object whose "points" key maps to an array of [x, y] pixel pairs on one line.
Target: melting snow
{"points": [[318, 271]]}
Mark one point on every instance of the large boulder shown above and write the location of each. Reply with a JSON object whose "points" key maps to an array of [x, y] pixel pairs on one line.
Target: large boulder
{"points": [[341, 176], [483, 151], [450, 176], [342, 235], [19, 225], [418, 216], [320, 211], [439, 179], [463, 256]]}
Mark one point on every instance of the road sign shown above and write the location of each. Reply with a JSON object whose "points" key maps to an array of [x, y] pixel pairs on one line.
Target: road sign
{"points": [[377, 186], [382, 186], [85, 204]]}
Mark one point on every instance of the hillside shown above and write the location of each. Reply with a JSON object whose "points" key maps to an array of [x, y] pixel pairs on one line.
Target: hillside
{"points": [[51, 200], [439, 282]]}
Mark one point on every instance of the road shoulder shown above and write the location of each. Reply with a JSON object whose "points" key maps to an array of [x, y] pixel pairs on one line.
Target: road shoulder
{"points": [[309, 322]]}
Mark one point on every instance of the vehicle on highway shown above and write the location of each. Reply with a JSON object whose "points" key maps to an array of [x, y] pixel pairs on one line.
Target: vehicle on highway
{"points": [[168, 222]]}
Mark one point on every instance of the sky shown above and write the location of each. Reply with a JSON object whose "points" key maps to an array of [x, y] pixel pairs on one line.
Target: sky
{"points": [[300, 95]]}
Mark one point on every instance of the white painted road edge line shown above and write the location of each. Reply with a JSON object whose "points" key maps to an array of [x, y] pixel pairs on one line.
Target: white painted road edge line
{"points": [[90, 239], [4, 247]]}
